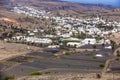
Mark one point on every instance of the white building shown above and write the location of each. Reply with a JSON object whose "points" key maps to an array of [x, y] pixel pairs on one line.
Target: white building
{"points": [[38, 40], [108, 47], [89, 41], [53, 46], [73, 43]]}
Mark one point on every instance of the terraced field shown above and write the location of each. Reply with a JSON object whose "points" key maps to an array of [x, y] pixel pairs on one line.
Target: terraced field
{"points": [[83, 62]]}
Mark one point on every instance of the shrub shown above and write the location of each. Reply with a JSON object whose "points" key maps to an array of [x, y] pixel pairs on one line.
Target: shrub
{"points": [[47, 72], [67, 53], [89, 54], [98, 76], [94, 57], [102, 65], [21, 61], [117, 59], [35, 73], [94, 46], [9, 78], [118, 53]]}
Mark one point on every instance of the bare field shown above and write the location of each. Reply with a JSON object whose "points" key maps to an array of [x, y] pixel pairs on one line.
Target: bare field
{"points": [[8, 50]]}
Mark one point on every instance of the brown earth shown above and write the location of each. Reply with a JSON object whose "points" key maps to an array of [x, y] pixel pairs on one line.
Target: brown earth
{"points": [[9, 50], [9, 20]]}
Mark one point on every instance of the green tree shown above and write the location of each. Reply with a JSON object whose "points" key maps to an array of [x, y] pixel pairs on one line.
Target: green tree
{"points": [[94, 46]]}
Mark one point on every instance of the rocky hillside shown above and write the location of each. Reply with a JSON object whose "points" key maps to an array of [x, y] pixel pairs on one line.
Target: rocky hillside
{"points": [[56, 5]]}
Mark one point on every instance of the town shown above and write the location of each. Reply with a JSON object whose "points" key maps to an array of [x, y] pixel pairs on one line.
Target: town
{"points": [[67, 30], [63, 44]]}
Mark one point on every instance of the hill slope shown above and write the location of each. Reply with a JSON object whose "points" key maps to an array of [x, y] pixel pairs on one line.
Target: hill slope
{"points": [[56, 5]]}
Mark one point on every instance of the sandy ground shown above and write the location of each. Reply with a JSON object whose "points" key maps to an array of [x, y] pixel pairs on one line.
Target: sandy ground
{"points": [[73, 76], [9, 20], [9, 50]]}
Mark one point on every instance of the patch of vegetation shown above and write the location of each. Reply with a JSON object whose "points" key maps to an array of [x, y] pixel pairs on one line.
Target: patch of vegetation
{"points": [[9, 78], [94, 57], [118, 53], [102, 65], [21, 61], [67, 53], [117, 59], [94, 46], [36, 73], [47, 72], [98, 76], [89, 54]]}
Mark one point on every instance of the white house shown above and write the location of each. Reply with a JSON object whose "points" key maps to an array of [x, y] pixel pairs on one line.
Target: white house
{"points": [[73, 43], [89, 41], [99, 55], [108, 47], [53, 46], [39, 40]]}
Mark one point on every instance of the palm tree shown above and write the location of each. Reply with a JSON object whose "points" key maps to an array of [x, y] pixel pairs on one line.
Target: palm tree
{"points": [[113, 43]]}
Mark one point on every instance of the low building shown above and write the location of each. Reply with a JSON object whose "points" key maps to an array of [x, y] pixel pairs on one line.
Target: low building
{"points": [[99, 55], [73, 44], [53, 46], [108, 47], [38, 40], [89, 41]]}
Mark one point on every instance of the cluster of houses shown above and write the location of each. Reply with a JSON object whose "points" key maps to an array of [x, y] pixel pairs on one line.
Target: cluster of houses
{"points": [[75, 42], [29, 11], [86, 26], [32, 39], [67, 28], [70, 42]]}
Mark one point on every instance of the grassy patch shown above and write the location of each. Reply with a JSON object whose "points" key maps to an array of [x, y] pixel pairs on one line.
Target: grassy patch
{"points": [[47, 72], [9, 78], [89, 54], [66, 41], [21, 61], [36, 73], [102, 65], [94, 57], [67, 53]]}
